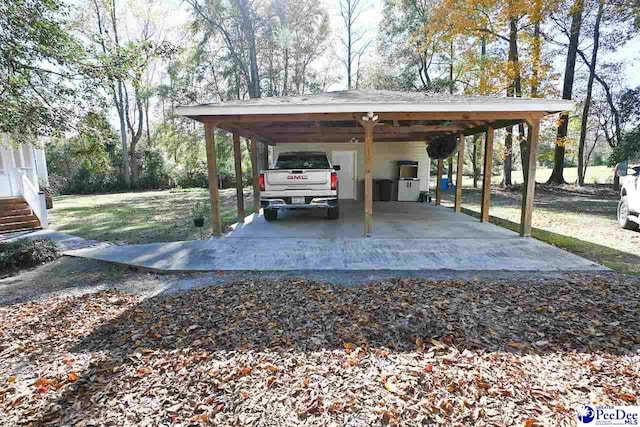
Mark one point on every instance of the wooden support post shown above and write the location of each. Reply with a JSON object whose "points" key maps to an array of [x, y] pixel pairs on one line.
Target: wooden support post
{"points": [[529, 187], [212, 168], [237, 160], [459, 170], [368, 178], [265, 155], [486, 179], [439, 182], [256, 171]]}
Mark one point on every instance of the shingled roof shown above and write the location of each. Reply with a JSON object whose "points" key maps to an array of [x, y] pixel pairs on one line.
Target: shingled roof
{"points": [[378, 101]]}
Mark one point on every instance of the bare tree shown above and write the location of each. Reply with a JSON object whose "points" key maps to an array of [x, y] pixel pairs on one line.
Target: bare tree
{"points": [[587, 102], [353, 41], [116, 82], [557, 175]]}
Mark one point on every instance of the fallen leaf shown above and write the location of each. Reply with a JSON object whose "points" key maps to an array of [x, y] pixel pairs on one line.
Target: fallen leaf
{"points": [[391, 387], [349, 347], [72, 376], [628, 397], [245, 371]]}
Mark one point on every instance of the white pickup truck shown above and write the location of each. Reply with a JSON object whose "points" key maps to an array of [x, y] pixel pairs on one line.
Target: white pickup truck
{"points": [[629, 205], [299, 180]]}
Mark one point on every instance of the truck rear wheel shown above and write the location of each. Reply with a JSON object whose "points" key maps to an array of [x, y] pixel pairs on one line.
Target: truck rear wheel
{"points": [[333, 213], [623, 215], [270, 214]]}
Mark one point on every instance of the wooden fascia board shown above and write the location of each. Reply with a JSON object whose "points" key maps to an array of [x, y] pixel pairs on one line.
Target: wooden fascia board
{"points": [[323, 117]]}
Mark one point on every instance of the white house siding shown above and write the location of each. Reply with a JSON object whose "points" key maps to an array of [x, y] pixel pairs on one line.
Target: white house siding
{"points": [[26, 157], [385, 158]]}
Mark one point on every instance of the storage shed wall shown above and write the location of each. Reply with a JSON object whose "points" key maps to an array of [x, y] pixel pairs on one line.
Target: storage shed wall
{"points": [[385, 158]]}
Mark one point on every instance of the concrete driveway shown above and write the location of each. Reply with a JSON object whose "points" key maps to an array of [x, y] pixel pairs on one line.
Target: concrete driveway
{"points": [[407, 237], [391, 220]]}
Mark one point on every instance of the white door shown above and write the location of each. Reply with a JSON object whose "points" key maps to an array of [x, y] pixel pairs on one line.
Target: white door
{"points": [[346, 174]]}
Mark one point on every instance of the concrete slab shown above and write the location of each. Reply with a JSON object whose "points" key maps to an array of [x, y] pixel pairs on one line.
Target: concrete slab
{"points": [[390, 220], [408, 237]]}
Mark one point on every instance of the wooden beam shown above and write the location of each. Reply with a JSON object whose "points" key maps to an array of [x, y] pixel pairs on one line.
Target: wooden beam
{"points": [[275, 132], [324, 117], [529, 188], [237, 160], [459, 176], [439, 182], [255, 172], [244, 132], [292, 139], [212, 168], [486, 180], [368, 177]]}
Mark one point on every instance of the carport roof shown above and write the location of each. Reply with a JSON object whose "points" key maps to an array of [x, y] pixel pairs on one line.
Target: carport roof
{"points": [[400, 116], [379, 101]]}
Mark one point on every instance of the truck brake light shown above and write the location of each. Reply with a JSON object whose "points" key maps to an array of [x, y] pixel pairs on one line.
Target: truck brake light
{"points": [[334, 181], [261, 182]]}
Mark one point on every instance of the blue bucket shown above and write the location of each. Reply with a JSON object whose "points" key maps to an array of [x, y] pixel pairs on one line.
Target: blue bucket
{"points": [[445, 183]]}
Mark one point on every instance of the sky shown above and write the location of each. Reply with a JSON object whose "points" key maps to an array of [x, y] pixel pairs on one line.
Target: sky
{"points": [[369, 23]]}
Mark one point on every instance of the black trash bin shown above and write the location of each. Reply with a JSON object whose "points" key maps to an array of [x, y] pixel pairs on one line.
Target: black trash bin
{"points": [[376, 190], [386, 188]]}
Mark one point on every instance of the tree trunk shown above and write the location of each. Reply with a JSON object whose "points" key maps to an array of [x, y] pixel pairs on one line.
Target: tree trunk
{"points": [[146, 119], [285, 84], [514, 66], [349, 46], [474, 158], [249, 33], [126, 174], [557, 175], [116, 88], [587, 102]]}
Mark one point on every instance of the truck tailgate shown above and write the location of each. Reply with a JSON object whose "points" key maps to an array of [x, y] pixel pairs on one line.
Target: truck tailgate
{"points": [[297, 179]]}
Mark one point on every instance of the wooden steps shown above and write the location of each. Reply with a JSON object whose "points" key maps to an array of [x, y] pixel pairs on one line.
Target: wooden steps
{"points": [[16, 215]]}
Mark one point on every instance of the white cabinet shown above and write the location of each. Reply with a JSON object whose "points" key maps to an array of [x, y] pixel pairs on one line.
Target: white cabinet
{"points": [[408, 190]]}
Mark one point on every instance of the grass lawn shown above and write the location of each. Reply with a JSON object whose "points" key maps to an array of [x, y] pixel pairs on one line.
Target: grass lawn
{"points": [[140, 217], [580, 221], [595, 175]]}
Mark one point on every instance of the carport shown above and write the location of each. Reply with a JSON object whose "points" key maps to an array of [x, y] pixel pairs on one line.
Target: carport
{"points": [[368, 117]]}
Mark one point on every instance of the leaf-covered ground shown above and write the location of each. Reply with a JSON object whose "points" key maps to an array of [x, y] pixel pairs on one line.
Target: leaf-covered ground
{"points": [[402, 352]]}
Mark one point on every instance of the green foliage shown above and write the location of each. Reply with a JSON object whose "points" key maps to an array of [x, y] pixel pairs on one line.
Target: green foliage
{"points": [[155, 174], [200, 210], [86, 162], [628, 149], [38, 70], [25, 253]]}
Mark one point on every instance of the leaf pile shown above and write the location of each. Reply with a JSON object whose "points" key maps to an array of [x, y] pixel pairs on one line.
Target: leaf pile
{"points": [[25, 253], [403, 352]]}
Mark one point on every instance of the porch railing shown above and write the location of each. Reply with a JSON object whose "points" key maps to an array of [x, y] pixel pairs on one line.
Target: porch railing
{"points": [[34, 198]]}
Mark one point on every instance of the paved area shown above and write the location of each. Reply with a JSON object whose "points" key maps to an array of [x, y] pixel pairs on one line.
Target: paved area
{"points": [[391, 220], [407, 237]]}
